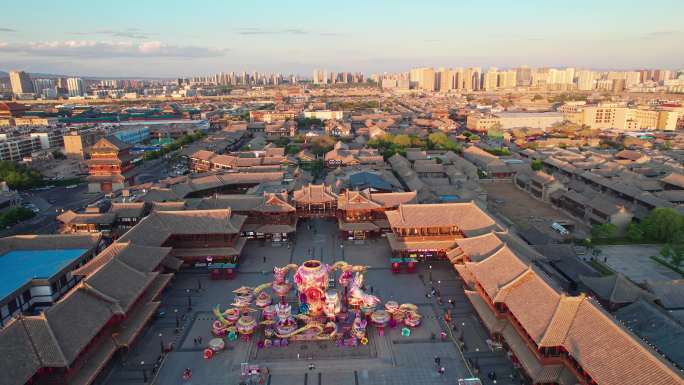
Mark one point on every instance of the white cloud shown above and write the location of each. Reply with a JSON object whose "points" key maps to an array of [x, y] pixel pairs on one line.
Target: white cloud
{"points": [[107, 49]]}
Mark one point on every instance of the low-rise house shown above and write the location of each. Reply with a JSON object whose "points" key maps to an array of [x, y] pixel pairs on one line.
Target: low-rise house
{"points": [[73, 222], [539, 184]]}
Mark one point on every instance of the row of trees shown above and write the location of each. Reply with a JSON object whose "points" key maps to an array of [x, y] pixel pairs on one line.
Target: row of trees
{"points": [[20, 177], [662, 225], [15, 215], [389, 144]]}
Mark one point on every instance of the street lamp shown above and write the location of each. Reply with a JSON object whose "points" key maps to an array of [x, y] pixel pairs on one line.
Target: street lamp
{"points": [[144, 372], [189, 299], [161, 343], [175, 311]]}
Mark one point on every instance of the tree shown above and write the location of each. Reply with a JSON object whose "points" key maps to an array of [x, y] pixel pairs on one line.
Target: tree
{"points": [[662, 225], [19, 176], [58, 154], [674, 253], [604, 231], [402, 140], [291, 149], [634, 233], [536, 165], [322, 144]]}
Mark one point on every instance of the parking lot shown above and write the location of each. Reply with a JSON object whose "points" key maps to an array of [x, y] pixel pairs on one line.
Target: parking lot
{"points": [[526, 212]]}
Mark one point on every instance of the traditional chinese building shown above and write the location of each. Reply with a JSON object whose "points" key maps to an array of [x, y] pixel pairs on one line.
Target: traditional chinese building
{"points": [[73, 222], [74, 339], [110, 165], [200, 238], [341, 155], [554, 338], [315, 200], [429, 231], [269, 216], [361, 214]]}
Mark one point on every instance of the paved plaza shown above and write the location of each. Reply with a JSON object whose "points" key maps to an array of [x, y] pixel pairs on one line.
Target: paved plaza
{"points": [[389, 359], [634, 262]]}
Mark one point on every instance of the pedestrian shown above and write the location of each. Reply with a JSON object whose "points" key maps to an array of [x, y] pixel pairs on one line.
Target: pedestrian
{"points": [[264, 259], [199, 339], [438, 360], [371, 289], [312, 366], [441, 370]]}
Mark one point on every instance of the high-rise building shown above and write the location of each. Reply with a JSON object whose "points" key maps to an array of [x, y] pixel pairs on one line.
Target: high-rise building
{"points": [[21, 82], [491, 79], [586, 80], [40, 85], [446, 80], [75, 87], [523, 76], [471, 78], [422, 78], [508, 79], [458, 78]]}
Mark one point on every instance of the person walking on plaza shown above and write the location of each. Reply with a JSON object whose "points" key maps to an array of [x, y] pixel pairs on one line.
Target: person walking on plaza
{"points": [[438, 361]]}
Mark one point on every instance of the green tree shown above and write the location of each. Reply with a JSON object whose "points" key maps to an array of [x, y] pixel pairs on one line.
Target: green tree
{"points": [[19, 176], [604, 231], [673, 252], [536, 165], [322, 144], [634, 233], [402, 140], [291, 149], [15, 215], [662, 225]]}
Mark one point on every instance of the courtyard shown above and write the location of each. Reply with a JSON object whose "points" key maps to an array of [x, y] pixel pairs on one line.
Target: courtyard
{"points": [[634, 262], [388, 359], [523, 211]]}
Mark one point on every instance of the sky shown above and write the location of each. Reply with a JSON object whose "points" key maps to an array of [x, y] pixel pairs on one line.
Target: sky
{"points": [[169, 38]]}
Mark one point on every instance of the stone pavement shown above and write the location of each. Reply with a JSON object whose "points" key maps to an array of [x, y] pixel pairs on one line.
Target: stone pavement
{"points": [[634, 262], [392, 358]]}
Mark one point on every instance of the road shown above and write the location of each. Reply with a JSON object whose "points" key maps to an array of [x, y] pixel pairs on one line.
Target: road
{"points": [[54, 201]]}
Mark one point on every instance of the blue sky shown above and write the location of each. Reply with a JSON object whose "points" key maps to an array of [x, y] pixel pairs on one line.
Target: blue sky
{"points": [[180, 38]]}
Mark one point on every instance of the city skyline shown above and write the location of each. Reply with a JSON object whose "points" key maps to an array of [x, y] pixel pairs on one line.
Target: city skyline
{"points": [[109, 40]]}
